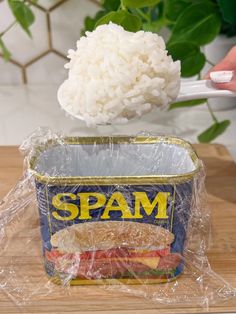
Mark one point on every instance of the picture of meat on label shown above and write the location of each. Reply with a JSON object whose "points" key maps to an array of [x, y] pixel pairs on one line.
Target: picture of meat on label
{"points": [[113, 249]]}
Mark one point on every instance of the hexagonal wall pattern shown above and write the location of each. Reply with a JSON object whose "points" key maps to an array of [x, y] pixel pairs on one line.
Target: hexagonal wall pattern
{"points": [[47, 4], [66, 31], [24, 48], [6, 16], [49, 69], [56, 29], [10, 74]]}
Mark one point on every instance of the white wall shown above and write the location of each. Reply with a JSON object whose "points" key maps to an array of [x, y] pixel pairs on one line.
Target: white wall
{"points": [[66, 22]]}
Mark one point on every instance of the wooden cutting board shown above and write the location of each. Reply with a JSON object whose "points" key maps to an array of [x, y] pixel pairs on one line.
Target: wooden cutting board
{"points": [[221, 188]]}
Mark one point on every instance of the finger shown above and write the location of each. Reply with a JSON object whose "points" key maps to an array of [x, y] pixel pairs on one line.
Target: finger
{"points": [[230, 57], [227, 63], [224, 80], [223, 65]]}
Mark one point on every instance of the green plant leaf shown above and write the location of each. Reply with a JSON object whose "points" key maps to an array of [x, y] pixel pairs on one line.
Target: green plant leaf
{"points": [[5, 52], [111, 5], [130, 22], [22, 13], [189, 103], [199, 23], [139, 3], [228, 29], [192, 59], [213, 131], [174, 8], [153, 27], [90, 22], [228, 10]]}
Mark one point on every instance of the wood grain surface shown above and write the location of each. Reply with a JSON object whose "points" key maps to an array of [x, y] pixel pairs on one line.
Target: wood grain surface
{"points": [[44, 297]]}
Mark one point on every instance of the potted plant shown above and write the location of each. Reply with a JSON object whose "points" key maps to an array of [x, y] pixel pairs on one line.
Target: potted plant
{"points": [[192, 24]]}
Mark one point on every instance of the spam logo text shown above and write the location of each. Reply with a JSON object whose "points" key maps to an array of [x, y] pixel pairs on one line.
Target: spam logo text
{"points": [[69, 206]]}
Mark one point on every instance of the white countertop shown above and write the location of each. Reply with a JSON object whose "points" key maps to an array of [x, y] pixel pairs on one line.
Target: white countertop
{"points": [[24, 108]]}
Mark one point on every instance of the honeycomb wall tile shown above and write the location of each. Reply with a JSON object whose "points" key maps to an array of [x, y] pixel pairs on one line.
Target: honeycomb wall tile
{"points": [[67, 22], [47, 70], [24, 48], [47, 4], [10, 74], [56, 29], [6, 16]]}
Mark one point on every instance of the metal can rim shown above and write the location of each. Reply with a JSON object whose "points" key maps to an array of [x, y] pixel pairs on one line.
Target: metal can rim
{"points": [[111, 180]]}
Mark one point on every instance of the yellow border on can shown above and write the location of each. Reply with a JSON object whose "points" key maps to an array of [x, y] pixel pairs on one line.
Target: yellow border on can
{"points": [[114, 281], [111, 180]]}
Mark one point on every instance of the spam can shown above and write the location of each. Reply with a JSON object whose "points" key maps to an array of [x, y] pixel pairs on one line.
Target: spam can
{"points": [[115, 209]]}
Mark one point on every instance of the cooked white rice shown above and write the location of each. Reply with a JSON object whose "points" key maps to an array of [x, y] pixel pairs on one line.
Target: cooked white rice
{"points": [[115, 75]]}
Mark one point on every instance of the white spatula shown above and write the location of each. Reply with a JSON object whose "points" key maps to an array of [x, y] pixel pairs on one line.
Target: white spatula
{"points": [[189, 90]]}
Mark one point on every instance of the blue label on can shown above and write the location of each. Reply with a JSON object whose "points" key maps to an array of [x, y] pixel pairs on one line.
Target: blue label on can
{"points": [[167, 206]]}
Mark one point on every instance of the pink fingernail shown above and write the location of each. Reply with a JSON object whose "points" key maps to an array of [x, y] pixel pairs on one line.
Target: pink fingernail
{"points": [[221, 76]]}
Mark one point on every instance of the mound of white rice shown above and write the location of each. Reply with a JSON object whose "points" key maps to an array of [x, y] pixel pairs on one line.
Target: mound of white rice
{"points": [[115, 75]]}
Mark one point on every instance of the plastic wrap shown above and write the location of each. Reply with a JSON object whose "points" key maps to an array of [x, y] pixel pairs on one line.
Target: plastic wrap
{"points": [[121, 214]]}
